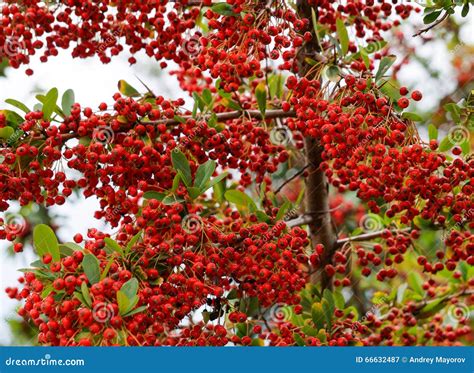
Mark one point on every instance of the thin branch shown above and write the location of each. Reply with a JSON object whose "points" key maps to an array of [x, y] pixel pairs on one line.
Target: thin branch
{"points": [[368, 236], [291, 178], [256, 114], [426, 29]]}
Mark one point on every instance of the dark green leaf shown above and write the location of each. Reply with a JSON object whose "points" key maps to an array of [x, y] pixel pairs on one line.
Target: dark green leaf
{"points": [[18, 105], [67, 101], [130, 288], [45, 242], [384, 65], [432, 132], [135, 311], [113, 245], [261, 96], [49, 103], [154, 195], [342, 35], [127, 90], [85, 294], [223, 9], [91, 267], [133, 242], [431, 17], [181, 163], [204, 173], [412, 116]]}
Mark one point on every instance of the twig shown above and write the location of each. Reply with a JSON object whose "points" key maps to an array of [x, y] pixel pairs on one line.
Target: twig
{"points": [[256, 114], [291, 178], [426, 29], [368, 236]]}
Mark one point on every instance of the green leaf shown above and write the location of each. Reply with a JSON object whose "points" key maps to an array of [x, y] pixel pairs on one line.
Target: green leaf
{"points": [[217, 180], [384, 65], [85, 294], [177, 178], [317, 314], [127, 90], [45, 242], [342, 35], [67, 101], [123, 302], [207, 97], [445, 144], [49, 103], [432, 132], [465, 9], [261, 96], [412, 116], [6, 132], [130, 288], [415, 281], [333, 73], [81, 298], [455, 112], [327, 295], [339, 301], [204, 173], [113, 245], [154, 195], [298, 339], [194, 192], [328, 312], [431, 17], [431, 308], [18, 105], [91, 267], [250, 306], [181, 163], [223, 9], [135, 311], [240, 199], [106, 270], [132, 242], [171, 200], [282, 211]]}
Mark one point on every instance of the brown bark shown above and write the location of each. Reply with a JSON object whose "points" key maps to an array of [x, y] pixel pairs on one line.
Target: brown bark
{"points": [[317, 188]]}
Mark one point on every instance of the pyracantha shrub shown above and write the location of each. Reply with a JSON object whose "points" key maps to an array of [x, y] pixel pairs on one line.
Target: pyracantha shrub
{"points": [[294, 203]]}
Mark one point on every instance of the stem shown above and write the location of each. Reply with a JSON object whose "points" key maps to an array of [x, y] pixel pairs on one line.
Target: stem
{"points": [[368, 236], [256, 114], [433, 25]]}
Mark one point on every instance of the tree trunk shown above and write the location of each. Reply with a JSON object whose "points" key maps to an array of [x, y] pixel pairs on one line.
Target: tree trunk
{"points": [[317, 188]]}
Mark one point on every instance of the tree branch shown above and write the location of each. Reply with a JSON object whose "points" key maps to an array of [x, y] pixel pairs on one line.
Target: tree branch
{"points": [[322, 229], [433, 25], [256, 114], [368, 236]]}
